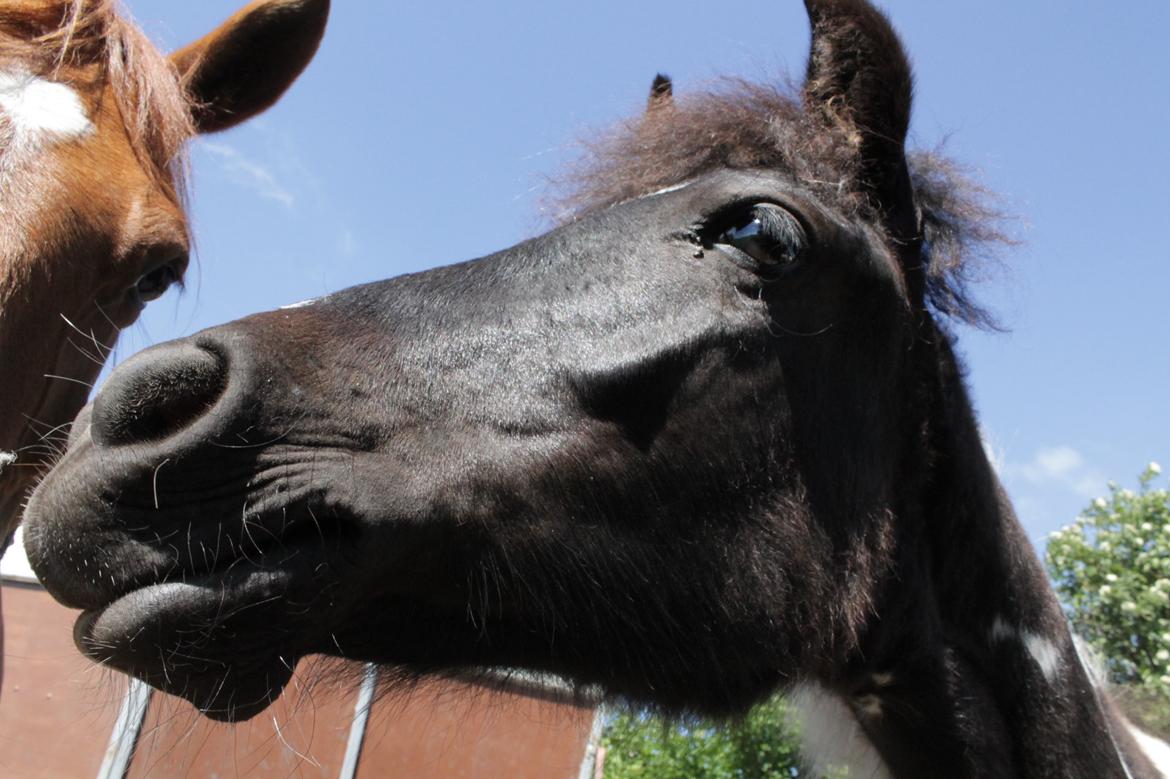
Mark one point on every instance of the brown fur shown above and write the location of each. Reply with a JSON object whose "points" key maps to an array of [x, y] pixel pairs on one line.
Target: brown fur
{"points": [[92, 37], [82, 220]]}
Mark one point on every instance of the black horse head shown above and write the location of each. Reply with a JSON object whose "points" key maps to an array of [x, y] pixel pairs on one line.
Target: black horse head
{"points": [[703, 441]]}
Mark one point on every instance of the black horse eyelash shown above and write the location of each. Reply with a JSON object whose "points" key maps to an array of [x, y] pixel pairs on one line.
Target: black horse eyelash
{"points": [[709, 229]]}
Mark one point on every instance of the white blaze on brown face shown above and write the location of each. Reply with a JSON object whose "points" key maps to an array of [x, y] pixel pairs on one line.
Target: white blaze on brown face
{"points": [[35, 113], [40, 110]]}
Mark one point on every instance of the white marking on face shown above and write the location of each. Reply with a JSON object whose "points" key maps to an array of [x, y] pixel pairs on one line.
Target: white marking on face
{"points": [[6, 458], [1044, 652], [667, 190], [831, 738], [663, 191], [302, 304], [37, 107]]}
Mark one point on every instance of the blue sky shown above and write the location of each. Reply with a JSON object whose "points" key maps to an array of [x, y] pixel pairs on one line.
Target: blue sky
{"points": [[424, 132]]}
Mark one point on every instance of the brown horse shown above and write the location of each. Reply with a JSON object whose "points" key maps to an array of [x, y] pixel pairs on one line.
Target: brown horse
{"points": [[93, 123], [705, 441]]}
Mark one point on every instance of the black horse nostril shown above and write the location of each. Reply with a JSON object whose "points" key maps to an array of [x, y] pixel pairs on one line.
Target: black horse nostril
{"points": [[157, 393]]}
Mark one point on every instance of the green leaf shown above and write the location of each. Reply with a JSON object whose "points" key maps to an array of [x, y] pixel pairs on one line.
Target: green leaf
{"points": [[1111, 568]]}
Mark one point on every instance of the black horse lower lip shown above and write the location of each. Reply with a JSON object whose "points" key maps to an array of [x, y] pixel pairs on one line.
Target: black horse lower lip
{"points": [[194, 626], [199, 605]]}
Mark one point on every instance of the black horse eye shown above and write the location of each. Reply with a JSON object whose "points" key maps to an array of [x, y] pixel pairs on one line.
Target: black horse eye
{"points": [[768, 234], [152, 285]]}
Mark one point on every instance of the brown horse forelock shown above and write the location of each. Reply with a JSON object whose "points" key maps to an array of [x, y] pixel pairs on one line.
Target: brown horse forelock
{"points": [[739, 124]]}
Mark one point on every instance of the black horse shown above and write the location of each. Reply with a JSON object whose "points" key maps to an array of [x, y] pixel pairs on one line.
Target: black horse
{"points": [[705, 441]]}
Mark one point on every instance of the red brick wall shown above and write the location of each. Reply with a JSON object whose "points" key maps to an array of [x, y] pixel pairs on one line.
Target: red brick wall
{"points": [[57, 711]]}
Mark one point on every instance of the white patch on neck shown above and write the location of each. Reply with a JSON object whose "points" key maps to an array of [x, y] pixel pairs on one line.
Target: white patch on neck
{"points": [[1043, 651], [38, 108], [830, 736], [1001, 630], [1155, 748]]}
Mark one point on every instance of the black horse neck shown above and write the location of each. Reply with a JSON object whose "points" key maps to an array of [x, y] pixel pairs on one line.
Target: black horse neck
{"points": [[971, 670]]}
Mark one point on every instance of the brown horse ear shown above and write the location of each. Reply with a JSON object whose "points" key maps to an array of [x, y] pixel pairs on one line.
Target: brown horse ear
{"points": [[661, 94], [245, 66], [860, 82]]}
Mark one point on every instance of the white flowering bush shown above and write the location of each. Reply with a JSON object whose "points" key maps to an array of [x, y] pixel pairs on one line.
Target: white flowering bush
{"points": [[1111, 568]]}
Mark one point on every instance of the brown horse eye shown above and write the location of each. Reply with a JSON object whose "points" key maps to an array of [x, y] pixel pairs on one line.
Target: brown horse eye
{"points": [[767, 234], [152, 285]]}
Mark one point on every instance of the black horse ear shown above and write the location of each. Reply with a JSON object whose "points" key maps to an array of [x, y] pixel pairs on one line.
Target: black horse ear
{"points": [[661, 94], [859, 80]]}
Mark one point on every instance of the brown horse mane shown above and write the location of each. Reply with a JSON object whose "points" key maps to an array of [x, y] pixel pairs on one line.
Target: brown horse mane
{"points": [[739, 124], [49, 36]]}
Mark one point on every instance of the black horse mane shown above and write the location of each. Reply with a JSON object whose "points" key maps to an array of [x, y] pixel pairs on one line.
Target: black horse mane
{"points": [[739, 124]]}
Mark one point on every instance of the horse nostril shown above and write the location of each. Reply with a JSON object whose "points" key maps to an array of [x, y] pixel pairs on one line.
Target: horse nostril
{"points": [[156, 394]]}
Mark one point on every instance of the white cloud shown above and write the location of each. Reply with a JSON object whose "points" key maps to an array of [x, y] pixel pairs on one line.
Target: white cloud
{"points": [[1058, 466], [347, 244], [1054, 463], [250, 174]]}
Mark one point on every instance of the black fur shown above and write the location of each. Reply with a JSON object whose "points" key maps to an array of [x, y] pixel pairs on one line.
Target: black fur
{"points": [[626, 452]]}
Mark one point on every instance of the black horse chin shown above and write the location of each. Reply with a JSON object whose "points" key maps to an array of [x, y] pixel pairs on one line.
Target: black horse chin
{"points": [[184, 639]]}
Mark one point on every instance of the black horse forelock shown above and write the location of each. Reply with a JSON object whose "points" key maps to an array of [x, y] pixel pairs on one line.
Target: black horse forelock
{"points": [[740, 124]]}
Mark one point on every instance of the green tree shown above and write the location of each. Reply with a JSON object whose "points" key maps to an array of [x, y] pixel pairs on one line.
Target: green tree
{"points": [[762, 746], [1111, 567]]}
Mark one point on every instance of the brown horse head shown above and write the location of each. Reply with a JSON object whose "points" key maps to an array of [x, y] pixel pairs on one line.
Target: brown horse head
{"points": [[93, 124]]}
